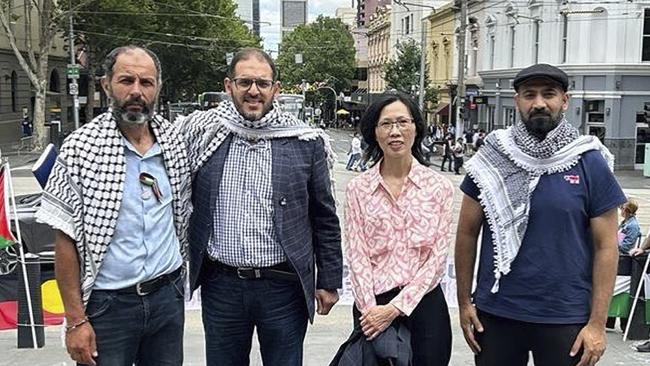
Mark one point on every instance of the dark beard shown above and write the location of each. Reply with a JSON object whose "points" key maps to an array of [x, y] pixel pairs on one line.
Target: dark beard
{"points": [[541, 123], [253, 116], [126, 117]]}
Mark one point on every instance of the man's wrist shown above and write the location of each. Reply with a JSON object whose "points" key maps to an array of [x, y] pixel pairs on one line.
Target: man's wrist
{"points": [[74, 318]]}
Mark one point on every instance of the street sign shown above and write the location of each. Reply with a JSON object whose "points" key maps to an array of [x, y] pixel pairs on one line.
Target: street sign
{"points": [[229, 57], [480, 100], [298, 58], [72, 71], [74, 89]]}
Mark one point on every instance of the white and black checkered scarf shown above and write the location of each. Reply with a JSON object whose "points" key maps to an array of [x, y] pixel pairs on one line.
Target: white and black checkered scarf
{"points": [[83, 194], [507, 169], [204, 131]]}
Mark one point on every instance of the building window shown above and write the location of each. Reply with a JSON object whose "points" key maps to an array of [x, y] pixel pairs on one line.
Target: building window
{"points": [[412, 24], [509, 116], [14, 91], [536, 41], [55, 82], [511, 60], [565, 33], [598, 36], [407, 25], [646, 36], [492, 42]]}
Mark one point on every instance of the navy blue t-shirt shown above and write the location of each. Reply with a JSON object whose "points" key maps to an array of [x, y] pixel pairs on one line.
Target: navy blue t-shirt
{"points": [[551, 278]]}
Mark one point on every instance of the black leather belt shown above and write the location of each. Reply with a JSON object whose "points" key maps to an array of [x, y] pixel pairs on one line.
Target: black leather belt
{"points": [[280, 271], [147, 287]]}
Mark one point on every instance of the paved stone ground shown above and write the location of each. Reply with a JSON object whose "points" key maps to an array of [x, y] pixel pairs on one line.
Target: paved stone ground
{"points": [[327, 333]]}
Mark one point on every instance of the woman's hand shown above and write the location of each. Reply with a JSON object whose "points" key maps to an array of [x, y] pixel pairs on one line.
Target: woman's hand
{"points": [[636, 251], [377, 319]]}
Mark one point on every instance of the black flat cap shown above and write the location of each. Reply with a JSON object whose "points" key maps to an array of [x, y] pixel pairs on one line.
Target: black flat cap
{"points": [[542, 71]]}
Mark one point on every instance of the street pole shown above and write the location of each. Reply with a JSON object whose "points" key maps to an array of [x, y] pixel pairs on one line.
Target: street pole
{"points": [[423, 61], [75, 96], [460, 95]]}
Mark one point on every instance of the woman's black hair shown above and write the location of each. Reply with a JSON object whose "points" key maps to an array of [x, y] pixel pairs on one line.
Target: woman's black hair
{"points": [[369, 124]]}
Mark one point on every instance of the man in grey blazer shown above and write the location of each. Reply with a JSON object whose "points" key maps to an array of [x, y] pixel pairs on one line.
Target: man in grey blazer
{"points": [[265, 242]]}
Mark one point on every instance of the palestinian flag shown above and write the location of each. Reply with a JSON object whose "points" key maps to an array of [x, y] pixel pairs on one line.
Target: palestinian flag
{"points": [[6, 237], [51, 299]]}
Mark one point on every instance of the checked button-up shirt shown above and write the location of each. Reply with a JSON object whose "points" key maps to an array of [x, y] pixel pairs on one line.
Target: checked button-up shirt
{"points": [[244, 233]]}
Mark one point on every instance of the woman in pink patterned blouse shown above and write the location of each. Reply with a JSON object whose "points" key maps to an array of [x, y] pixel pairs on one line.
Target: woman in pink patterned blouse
{"points": [[397, 223]]}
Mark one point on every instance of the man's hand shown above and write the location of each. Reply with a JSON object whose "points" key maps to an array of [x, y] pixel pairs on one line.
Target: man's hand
{"points": [[377, 319], [593, 342], [80, 343], [325, 300], [636, 251], [469, 322]]}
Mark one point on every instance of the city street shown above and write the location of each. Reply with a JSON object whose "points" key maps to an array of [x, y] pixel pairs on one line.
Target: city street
{"points": [[327, 333]]}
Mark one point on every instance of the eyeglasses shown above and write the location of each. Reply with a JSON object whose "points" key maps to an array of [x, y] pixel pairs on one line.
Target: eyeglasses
{"points": [[245, 83], [401, 123]]}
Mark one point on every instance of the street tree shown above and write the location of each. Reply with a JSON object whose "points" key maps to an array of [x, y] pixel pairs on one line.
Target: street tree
{"points": [[327, 50], [191, 38], [41, 22], [402, 73]]}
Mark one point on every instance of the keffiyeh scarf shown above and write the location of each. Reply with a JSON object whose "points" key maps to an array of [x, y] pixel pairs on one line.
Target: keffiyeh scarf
{"points": [[507, 169], [205, 131], [84, 191]]}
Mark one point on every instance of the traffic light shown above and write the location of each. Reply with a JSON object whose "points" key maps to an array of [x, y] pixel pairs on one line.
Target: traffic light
{"points": [[646, 112], [461, 111]]}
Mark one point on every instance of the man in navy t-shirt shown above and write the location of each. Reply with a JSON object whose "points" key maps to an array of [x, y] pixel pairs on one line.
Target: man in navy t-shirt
{"points": [[546, 200]]}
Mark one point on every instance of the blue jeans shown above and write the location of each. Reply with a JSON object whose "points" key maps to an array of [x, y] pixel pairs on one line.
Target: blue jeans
{"points": [[353, 159], [142, 330], [233, 307]]}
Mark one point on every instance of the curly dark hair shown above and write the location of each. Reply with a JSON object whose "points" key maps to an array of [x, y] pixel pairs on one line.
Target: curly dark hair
{"points": [[370, 119]]}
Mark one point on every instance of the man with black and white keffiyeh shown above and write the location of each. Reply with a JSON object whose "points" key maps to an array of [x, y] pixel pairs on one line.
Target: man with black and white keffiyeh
{"points": [[118, 198], [265, 242], [546, 200]]}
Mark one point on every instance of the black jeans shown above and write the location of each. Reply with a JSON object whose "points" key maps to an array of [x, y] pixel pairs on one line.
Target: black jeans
{"points": [[458, 163], [507, 342], [429, 325], [446, 158], [234, 307]]}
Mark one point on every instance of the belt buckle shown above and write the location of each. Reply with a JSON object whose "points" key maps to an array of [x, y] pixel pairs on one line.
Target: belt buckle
{"points": [[139, 291], [256, 273]]}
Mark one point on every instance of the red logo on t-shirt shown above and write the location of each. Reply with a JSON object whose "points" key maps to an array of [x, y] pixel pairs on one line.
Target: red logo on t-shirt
{"points": [[572, 179]]}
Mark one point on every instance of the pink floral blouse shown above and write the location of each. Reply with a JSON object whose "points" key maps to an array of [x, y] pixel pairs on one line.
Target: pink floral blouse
{"points": [[399, 242]]}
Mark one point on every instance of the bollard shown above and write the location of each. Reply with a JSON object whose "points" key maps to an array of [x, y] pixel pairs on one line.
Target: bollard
{"points": [[25, 335]]}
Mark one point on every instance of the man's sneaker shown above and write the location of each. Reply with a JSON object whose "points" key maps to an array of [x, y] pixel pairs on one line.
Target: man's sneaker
{"points": [[643, 347]]}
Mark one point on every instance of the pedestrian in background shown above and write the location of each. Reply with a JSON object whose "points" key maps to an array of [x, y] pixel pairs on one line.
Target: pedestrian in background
{"points": [[447, 152], [629, 230], [26, 127], [265, 238], [354, 153], [459, 153], [397, 220], [545, 199], [118, 199]]}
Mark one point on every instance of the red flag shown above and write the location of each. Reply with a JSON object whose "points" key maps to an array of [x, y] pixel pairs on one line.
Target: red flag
{"points": [[6, 237]]}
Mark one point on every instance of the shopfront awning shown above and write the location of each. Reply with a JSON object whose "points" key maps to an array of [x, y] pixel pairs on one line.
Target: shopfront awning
{"points": [[443, 109]]}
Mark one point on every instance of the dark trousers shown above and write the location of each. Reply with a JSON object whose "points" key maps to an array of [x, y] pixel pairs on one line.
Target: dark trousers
{"points": [[141, 330], [233, 307], [446, 158], [429, 325], [507, 342], [458, 163]]}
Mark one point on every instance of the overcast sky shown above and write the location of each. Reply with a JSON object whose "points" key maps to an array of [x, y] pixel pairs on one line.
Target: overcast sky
{"points": [[270, 12]]}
